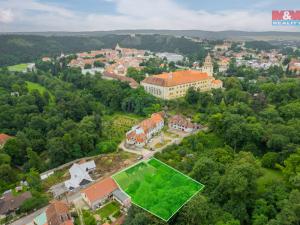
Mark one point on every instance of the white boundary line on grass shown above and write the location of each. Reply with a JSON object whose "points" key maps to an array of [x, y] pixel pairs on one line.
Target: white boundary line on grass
{"points": [[143, 161], [177, 171]]}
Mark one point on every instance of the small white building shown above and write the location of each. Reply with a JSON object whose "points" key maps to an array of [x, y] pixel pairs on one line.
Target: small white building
{"points": [[80, 174]]}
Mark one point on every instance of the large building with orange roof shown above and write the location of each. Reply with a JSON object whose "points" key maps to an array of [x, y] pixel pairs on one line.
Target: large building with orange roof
{"points": [[140, 134], [175, 84]]}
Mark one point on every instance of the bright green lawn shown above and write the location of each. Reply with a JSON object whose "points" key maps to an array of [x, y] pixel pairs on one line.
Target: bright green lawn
{"points": [[18, 67], [35, 86], [157, 188], [109, 209]]}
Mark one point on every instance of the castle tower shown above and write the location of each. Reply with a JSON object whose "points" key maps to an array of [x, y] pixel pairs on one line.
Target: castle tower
{"points": [[208, 66]]}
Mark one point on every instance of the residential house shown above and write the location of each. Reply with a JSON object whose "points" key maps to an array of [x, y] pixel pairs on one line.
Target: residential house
{"points": [[294, 66], [140, 134], [171, 57], [223, 64], [80, 174], [10, 203], [182, 123], [98, 193], [46, 59], [57, 213], [3, 139]]}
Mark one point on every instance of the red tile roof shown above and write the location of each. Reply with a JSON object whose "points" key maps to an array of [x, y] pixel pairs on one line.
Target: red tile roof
{"points": [[58, 213], [132, 82], [100, 189], [68, 222], [146, 125], [216, 81], [4, 138], [177, 78]]}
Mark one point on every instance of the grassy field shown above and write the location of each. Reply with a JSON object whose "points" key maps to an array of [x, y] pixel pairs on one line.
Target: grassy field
{"points": [[35, 86], [18, 67], [157, 188]]}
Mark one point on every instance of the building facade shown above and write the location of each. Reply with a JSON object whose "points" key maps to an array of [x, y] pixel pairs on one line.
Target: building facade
{"points": [[140, 134], [182, 123], [175, 84]]}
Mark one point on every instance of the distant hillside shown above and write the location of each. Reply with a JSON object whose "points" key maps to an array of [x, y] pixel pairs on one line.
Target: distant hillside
{"points": [[214, 35], [26, 48]]}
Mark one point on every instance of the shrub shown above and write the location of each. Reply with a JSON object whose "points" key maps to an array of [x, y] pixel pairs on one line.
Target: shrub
{"points": [[269, 160]]}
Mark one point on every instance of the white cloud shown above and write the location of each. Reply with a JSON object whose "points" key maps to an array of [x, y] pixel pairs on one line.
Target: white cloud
{"points": [[6, 16], [133, 14]]}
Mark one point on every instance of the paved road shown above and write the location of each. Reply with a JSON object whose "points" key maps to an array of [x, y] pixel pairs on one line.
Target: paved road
{"points": [[29, 218]]}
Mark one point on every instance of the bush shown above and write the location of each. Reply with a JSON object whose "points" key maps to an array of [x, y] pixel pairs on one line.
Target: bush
{"points": [[107, 146], [269, 160], [87, 66], [88, 218], [33, 203]]}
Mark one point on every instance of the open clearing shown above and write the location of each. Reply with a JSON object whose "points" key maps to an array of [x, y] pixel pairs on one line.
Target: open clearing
{"points": [[157, 187], [35, 86], [18, 68]]}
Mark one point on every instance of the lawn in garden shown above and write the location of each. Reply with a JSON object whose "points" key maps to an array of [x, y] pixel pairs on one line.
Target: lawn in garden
{"points": [[18, 68], [110, 209], [157, 187]]}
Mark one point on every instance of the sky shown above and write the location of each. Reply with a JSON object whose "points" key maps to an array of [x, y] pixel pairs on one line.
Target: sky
{"points": [[97, 15]]}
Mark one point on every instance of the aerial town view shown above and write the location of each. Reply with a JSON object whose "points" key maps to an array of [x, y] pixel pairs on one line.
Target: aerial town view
{"points": [[137, 112]]}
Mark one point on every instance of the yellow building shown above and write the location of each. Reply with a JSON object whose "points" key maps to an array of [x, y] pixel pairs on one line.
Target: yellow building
{"points": [[175, 84]]}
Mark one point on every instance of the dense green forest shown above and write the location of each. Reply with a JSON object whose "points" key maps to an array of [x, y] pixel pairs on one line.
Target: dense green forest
{"points": [[60, 119], [27, 48], [249, 160], [259, 45]]}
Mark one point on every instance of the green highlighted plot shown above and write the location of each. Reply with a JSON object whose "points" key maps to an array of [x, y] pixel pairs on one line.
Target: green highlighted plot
{"points": [[157, 187]]}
